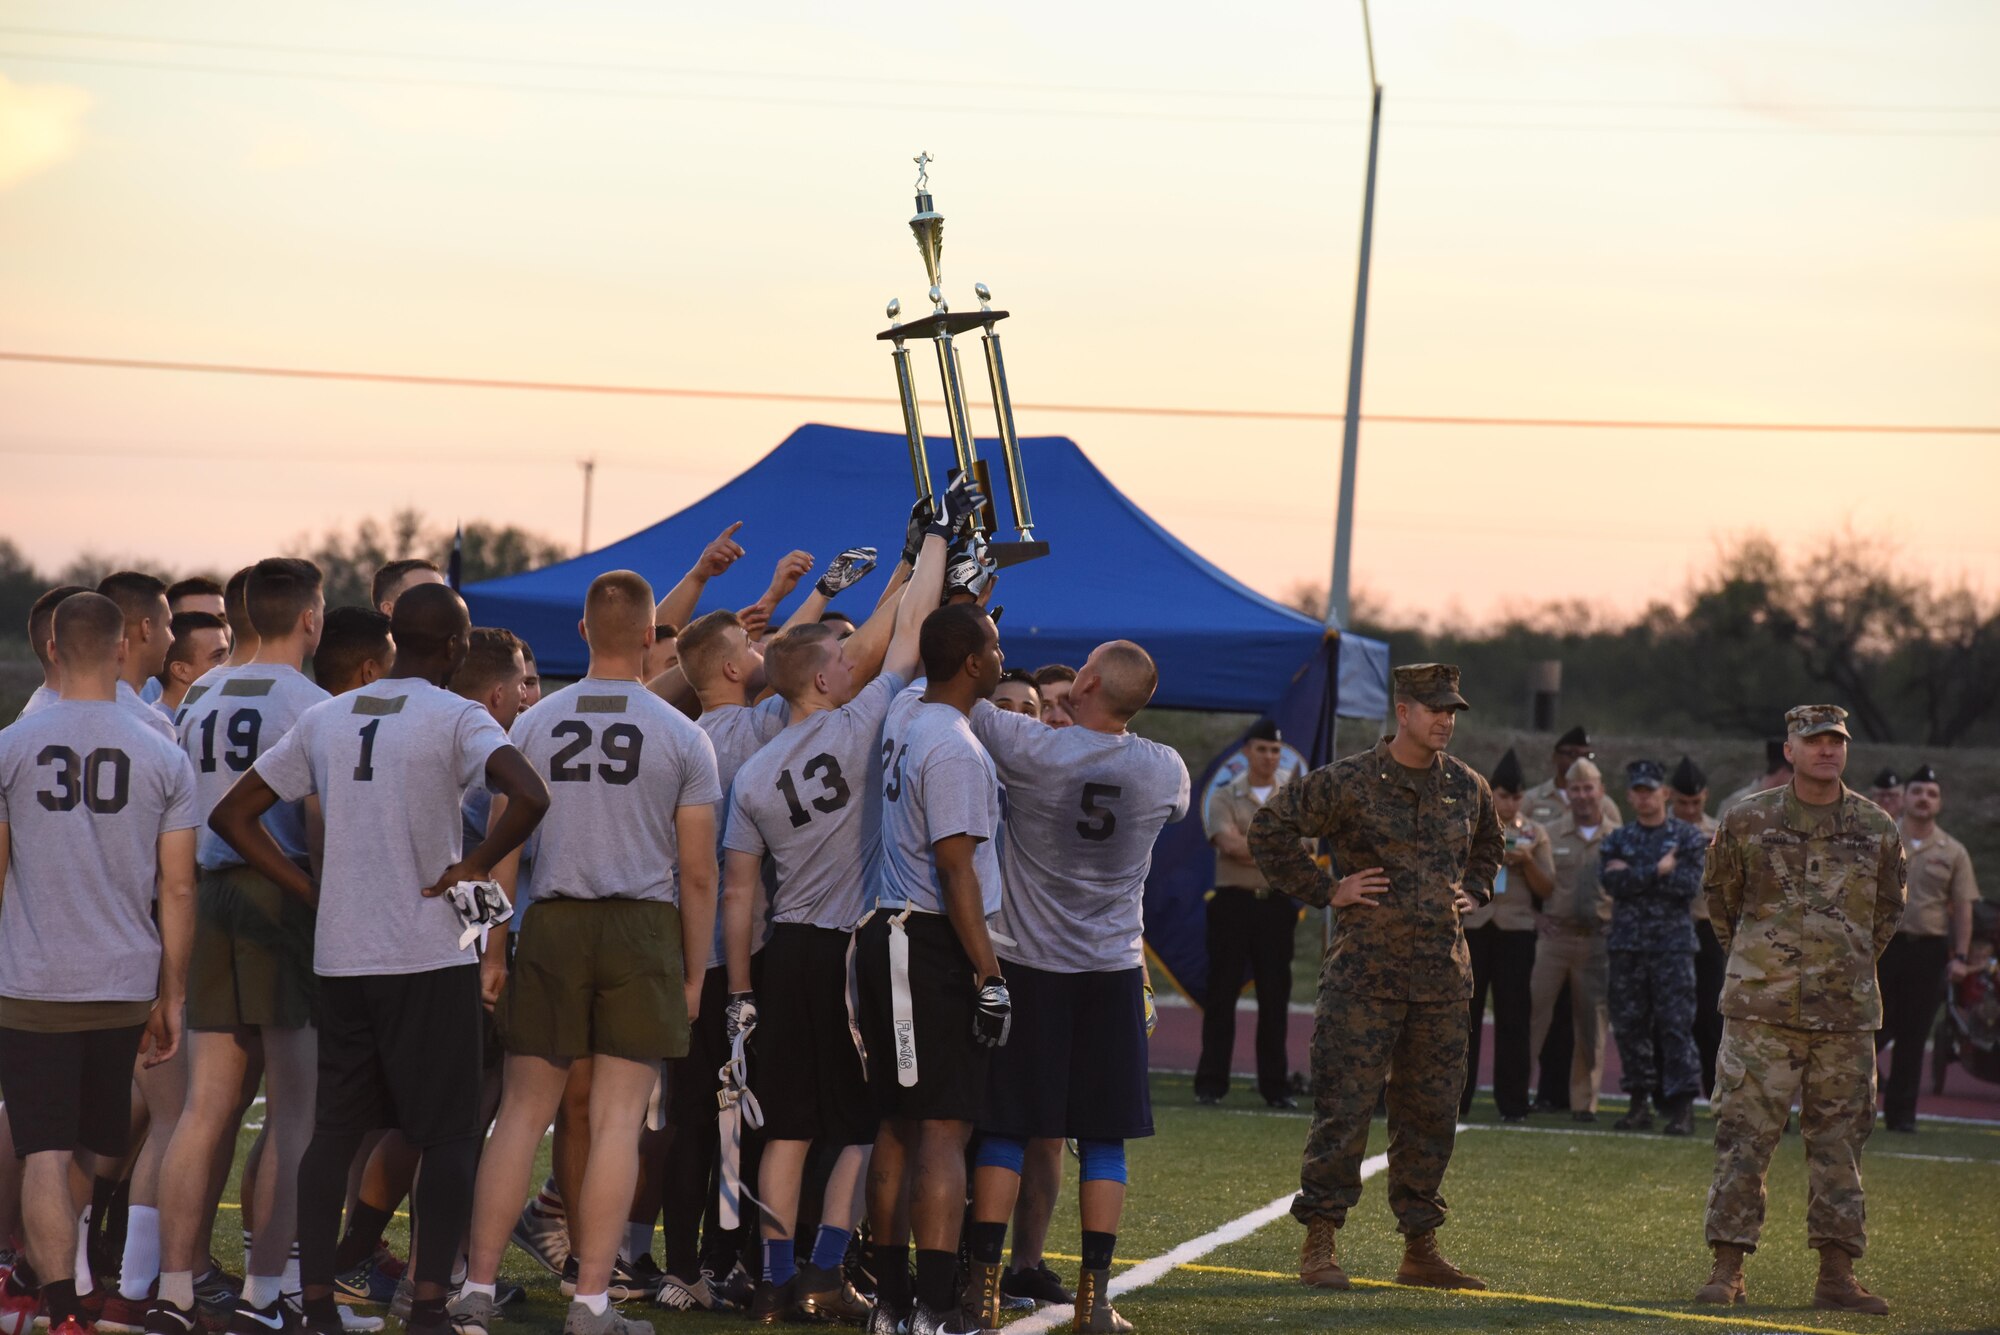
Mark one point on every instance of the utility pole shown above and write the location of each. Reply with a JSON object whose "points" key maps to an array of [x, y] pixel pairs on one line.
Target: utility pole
{"points": [[1337, 600], [589, 467]]}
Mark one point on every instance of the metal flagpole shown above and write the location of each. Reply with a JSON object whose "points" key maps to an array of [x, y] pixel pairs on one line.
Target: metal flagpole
{"points": [[1337, 602], [589, 467]]}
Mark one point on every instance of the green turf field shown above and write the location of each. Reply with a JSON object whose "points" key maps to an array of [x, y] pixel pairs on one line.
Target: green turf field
{"points": [[1582, 1229]]}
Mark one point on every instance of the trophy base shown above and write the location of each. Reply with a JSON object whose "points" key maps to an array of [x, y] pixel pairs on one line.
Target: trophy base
{"points": [[1006, 554], [933, 326]]}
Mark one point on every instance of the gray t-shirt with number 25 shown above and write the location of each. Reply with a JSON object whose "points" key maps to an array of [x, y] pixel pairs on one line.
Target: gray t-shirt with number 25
{"points": [[391, 763]]}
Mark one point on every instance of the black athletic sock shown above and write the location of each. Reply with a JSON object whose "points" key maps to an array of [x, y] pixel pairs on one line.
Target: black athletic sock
{"points": [[890, 1264], [59, 1301], [442, 1204], [937, 1279], [425, 1314], [118, 1219], [321, 1314], [1097, 1249], [322, 1191], [987, 1242], [365, 1227], [23, 1278]]}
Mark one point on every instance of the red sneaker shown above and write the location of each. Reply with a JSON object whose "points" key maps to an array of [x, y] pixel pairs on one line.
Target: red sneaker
{"points": [[17, 1309], [122, 1315], [71, 1325]]}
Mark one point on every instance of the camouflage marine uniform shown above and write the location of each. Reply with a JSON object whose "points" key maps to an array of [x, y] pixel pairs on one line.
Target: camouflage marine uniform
{"points": [[1393, 990], [1804, 900], [1652, 949]]}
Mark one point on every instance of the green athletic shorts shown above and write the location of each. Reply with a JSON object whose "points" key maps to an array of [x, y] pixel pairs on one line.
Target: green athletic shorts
{"points": [[252, 962], [597, 977]]}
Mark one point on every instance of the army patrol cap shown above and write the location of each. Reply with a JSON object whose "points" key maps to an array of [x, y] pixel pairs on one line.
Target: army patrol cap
{"points": [[1812, 720], [1688, 779], [1645, 774], [1432, 685]]}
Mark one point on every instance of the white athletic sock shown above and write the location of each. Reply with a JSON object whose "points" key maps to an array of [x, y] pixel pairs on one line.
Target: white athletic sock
{"points": [[260, 1290], [638, 1241], [490, 1290], [84, 1281], [177, 1287], [247, 1240], [288, 1283], [598, 1303], [142, 1253]]}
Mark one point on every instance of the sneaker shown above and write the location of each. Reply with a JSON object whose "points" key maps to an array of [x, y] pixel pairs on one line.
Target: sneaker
{"points": [[273, 1320], [684, 1295], [732, 1292], [70, 1325], [582, 1321], [506, 1295], [405, 1299], [923, 1321], [1039, 1287], [644, 1274], [542, 1236], [307, 1325], [215, 1298], [825, 1295], [122, 1315], [884, 1320], [771, 1303], [373, 1281], [163, 1318], [471, 1314]]}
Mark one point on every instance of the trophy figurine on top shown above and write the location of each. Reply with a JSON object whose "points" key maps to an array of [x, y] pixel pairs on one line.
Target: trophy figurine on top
{"points": [[940, 326]]}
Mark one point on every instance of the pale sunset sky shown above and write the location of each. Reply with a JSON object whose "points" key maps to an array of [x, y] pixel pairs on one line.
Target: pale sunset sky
{"points": [[1779, 212]]}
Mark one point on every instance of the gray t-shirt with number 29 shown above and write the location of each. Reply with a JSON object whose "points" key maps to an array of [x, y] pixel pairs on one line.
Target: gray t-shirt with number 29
{"points": [[619, 762], [812, 799], [391, 763], [1083, 811], [87, 788]]}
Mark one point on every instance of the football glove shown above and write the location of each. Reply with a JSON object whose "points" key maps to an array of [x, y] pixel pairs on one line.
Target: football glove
{"points": [[992, 1014], [846, 570]]}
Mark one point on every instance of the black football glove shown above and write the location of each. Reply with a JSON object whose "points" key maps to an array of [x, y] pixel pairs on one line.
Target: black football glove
{"points": [[913, 534], [846, 570], [993, 1014], [969, 566], [963, 499]]}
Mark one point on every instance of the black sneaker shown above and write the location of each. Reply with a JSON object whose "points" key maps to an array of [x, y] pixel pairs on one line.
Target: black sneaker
{"points": [[645, 1274], [732, 1292], [163, 1318], [771, 1303], [1039, 1287], [277, 1319]]}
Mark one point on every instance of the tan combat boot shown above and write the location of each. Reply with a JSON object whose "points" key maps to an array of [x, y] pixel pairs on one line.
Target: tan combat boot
{"points": [[1725, 1279], [1094, 1313], [1838, 1290], [1319, 1263], [1425, 1266]]}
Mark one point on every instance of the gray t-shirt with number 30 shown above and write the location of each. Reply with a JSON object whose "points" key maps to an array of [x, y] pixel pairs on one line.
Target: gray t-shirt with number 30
{"points": [[391, 763], [619, 762]]}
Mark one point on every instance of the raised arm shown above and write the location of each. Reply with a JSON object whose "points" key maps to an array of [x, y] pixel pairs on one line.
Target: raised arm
{"points": [[677, 608]]}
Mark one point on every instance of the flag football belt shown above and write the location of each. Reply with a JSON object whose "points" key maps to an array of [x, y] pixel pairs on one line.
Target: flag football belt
{"points": [[737, 1108], [481, 906]]}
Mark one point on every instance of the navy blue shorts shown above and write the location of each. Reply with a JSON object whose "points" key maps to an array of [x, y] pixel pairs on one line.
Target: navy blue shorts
{"points": [[1075, 1061]]}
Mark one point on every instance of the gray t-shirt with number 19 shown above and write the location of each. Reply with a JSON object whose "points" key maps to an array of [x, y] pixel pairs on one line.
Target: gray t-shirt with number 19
{"points": [[937, 781], [619, 762], [391, 762], [1083, 811], [87, 788], [812, 800], [229, 718]]}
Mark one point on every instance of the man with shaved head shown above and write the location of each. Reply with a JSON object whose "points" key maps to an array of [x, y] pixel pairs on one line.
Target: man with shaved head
{"points": [[1084, 805], [236, 611], [142, 599], [400, 1035], [96, 825], [41, 639], [396, 578], [201, 642], [612, 954]]}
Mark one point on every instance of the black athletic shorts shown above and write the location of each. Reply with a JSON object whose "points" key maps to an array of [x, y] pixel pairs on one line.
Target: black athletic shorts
{"points": [[804, 1067], [402, 1050], [1075, 1060], [69, 1091], [951, 1065]]}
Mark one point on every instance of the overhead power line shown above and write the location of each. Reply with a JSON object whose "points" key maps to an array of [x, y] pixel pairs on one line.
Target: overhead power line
{"points": [[873, 401]]}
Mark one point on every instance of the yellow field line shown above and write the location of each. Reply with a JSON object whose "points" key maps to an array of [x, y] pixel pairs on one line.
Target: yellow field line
{"points": [[233, 1205], [1698, 1317]]}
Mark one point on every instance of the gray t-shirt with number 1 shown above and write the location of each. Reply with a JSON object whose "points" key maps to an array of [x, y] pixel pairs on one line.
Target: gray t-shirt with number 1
{"points": [[87, 788], [391, 762], [1083, 811], [229, 718], [937, 781], [812, 800], [619, 762]]}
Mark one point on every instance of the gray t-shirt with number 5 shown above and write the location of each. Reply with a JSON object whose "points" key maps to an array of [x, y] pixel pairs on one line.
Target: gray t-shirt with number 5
{"points": [[619, 762], [812, 799], [391, 763], [1083, 811]]}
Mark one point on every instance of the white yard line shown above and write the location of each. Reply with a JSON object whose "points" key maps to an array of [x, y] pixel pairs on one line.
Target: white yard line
{"points": [[1148, 1271]]}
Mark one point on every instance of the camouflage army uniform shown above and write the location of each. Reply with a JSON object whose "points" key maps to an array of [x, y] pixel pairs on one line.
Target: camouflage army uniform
{"points": [[1393, 990], [1652, 949], [1803, 900]]}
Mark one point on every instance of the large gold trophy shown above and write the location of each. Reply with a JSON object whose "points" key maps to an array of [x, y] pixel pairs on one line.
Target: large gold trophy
{"points": [[940, 326]]}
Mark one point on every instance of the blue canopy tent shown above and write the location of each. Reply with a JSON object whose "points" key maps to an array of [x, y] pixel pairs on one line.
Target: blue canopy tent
{"points": [[1112, 573]]}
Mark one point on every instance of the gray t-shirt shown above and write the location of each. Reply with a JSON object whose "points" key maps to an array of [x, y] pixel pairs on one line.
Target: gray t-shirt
{"points": [[391, 762], [812, 801], [937, 781], [229, 718], [86, 791], [619, 762], [1083, 811], [43, 697], [739, 732], [146, 714]]}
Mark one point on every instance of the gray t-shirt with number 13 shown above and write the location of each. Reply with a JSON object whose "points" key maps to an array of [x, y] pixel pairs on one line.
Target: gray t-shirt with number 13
{"points": [[391, 763]]}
